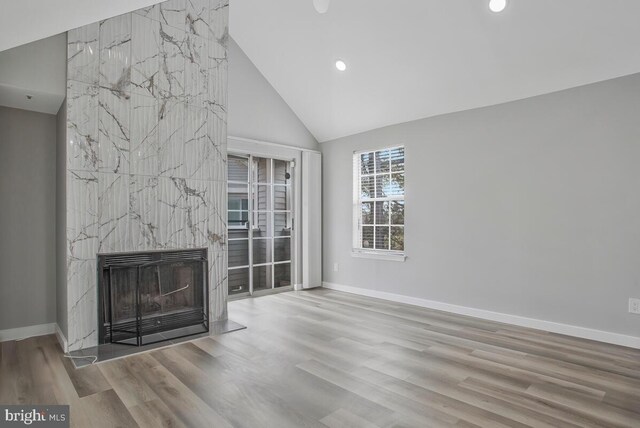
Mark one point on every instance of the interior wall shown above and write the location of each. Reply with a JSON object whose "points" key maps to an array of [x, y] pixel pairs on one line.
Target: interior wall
{"points": [[256, 110], [528, 208], [27, 218]]}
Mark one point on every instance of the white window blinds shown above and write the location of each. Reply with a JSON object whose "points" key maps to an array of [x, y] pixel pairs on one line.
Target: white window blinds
{"points": [[379, 200]]}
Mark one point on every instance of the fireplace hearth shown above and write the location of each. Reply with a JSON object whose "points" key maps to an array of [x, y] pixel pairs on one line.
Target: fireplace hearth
{"points": [[149, 297]]}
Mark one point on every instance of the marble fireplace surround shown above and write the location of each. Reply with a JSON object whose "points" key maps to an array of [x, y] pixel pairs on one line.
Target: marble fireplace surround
{"points": [[146, 146]]}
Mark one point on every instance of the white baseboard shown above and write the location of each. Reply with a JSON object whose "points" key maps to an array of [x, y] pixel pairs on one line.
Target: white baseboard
{"points": [[26, 332], [62, 340], [550, 326]]}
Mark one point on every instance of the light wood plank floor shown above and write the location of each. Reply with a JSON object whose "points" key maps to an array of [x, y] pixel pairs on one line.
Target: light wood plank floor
{"points": [[323, 358]]}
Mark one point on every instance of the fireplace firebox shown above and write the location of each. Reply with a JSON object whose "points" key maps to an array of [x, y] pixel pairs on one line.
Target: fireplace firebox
{"points": [[152, 296]]}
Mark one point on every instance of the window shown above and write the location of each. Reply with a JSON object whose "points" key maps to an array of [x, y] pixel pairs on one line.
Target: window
{"points": [[378, 197]]}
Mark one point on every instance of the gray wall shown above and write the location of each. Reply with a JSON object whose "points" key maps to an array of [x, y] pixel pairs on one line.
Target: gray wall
{"points": [[530, 208], [27, 218], [256, 110], [61, 218]]}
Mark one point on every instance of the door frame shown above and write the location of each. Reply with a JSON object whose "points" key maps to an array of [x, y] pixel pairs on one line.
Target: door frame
{"points": [[295, 247]]}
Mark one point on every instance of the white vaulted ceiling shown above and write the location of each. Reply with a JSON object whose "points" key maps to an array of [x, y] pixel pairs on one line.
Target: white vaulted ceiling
{"points": [[37, 70], [410, 59], [24, 21], [406, 59]]}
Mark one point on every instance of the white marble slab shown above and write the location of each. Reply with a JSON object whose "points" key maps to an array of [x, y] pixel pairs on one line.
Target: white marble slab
{"points": [[197, 207], [82, 214], [219, 26], [144, 213], [115, 54], [145, 147], [152, 12], [198, 153], [171, 138], [82, 54], [82, 126], [217, 215], [218, 280], [172, 215], [82, 304], [197, 17], [145, 55], [172, 60], [113, 213], [215, 129], [113, 131], [146, 164], [218, 77], [196, 70], [173, 13]]}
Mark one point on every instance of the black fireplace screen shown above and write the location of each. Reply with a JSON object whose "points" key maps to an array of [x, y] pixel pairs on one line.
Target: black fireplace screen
{"points": [[154, 296]]}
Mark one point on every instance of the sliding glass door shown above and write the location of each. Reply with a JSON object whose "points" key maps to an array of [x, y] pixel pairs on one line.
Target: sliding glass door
{"points": [[260, 222], [238, 236]]}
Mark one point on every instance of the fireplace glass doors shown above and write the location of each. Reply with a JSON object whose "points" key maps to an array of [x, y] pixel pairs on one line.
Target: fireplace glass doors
{"points": [[151, 297]]}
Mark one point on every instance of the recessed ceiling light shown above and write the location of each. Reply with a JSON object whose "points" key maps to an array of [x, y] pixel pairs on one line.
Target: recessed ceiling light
{"points": [[321, 5], [497, 5], [341, 65]]}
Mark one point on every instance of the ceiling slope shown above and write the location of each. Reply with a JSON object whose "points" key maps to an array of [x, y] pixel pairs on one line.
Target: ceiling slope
{"points": [[33, 76], [411, 59], [24, 21]]}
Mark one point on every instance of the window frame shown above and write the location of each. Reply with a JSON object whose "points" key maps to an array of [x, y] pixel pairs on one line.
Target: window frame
{"points": [[357, 249]]}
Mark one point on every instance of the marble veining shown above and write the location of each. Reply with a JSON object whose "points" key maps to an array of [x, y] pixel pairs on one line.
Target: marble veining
{"points": [[115, 54], [198, 153], [145, 55], [177, 213], [196, 70], [82, 214], [172, 59], [146, 145], [219, 27], [171, 137], [151, 12], [197, 17], [143, 212], [171, 207], [173, 13], [113, 213], [113, 131], [82, 54], [218, 283], [82, 298], [82, 126], [218, 70], [217, 216]]}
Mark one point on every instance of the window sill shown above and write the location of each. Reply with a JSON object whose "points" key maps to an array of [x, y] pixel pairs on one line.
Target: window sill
{"points": [[379, 255]]}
